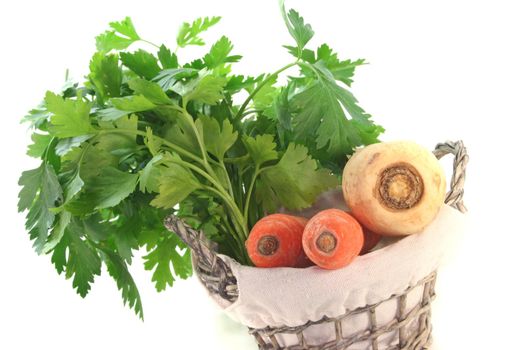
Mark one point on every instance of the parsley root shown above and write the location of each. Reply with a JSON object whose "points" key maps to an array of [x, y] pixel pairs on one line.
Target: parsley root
{"points": [[275, 241], [394, 188], [332, 239]]}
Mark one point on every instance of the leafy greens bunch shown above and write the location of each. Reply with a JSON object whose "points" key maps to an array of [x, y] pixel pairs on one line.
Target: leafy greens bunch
{"points": [[146, 136]]}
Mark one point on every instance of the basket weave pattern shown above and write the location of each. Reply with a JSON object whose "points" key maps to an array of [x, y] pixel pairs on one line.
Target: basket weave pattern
{"points": [[409, 328]]}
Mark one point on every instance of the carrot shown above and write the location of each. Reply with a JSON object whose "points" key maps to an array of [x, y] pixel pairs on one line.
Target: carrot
{"points": [[276, 241], [332, 239], [371, 240]]}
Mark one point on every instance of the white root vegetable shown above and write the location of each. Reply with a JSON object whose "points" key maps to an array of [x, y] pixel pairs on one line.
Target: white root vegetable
{"points": [[394, 188]]}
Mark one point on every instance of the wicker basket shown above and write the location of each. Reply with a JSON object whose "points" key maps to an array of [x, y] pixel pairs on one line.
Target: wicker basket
{"points": [[410, 324]]}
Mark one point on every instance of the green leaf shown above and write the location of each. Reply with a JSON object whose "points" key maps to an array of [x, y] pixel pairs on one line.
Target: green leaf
{"points": [[105, 75], [39, 146], [152, 142], [189, 33], [306, 54], [175, 183], [219, 54], [64, 218], [73, 185], [322, 116], [182, 135], [239, 82], [122, 35], [207, 90], [70, 117], [167, 58], [294, 182], [265, 96], [150, 90], [141, 62], [110, 188], [341, 70], [125, 27], [64, 146], [118, 269], [40, 192], [124, 106], [149, 176], [261, 148], [167, 255], [95, 228], [37, 116], [300, 31], [169, 77], [216, 140], [82, 263]]}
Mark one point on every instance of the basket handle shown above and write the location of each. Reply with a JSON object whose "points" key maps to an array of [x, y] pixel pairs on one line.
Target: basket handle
{"points": [[213, 272], [454, 197]]}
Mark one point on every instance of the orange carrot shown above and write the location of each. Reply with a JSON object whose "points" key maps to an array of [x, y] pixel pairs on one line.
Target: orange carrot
{"points": [[332, 239], [371, 240], [276, 241]]}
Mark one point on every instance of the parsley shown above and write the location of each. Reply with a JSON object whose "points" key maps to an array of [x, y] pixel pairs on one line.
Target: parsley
{"points": [[146, 136]]}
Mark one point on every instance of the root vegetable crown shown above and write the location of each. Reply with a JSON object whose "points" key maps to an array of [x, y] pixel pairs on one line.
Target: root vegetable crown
{"points": [[326, 242], [400, 187], [268, 245]]}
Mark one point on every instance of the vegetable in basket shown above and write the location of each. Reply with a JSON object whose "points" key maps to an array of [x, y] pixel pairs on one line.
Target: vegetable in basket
{"points": [[276, 241], [332, 239], [394, 188], [146, 135]]}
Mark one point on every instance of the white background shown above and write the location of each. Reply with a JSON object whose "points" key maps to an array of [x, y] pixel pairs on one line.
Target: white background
{"points": [[438, 70]]}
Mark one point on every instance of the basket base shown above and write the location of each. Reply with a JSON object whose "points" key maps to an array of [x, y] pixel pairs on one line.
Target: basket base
{"points": [[408, 328]]}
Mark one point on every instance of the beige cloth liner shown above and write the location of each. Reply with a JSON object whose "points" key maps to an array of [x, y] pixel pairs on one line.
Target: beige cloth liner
{"points": [[288, 296]]}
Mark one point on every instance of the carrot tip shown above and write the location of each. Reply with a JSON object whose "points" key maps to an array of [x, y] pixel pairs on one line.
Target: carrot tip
{"points": [[326, 242], [268, 245]]}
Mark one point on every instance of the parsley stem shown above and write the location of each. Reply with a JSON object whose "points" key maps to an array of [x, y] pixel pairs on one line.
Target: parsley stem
{"points": [[260, 86], [173, 146], [249, 194], [242, 231], [200, 141], [149, 42], [230, 187]]}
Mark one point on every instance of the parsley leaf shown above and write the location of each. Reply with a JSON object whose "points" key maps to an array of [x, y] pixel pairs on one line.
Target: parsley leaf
{"points": [[341, 70], [150, 90], [78, 259], [149, 176], [189, 33], [69, 117], [261, 148], [207, 89], [39, 194], [39, 146], [167, 58], [217, 140], [266, 93], [219, 54], [300, 31], [141, 62], [124, 106], [175, 183], [169, 77], [122, 35], [118, 269], [110, 188], [105, 75], [167, 255], [281, 185], [321, 115]]}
